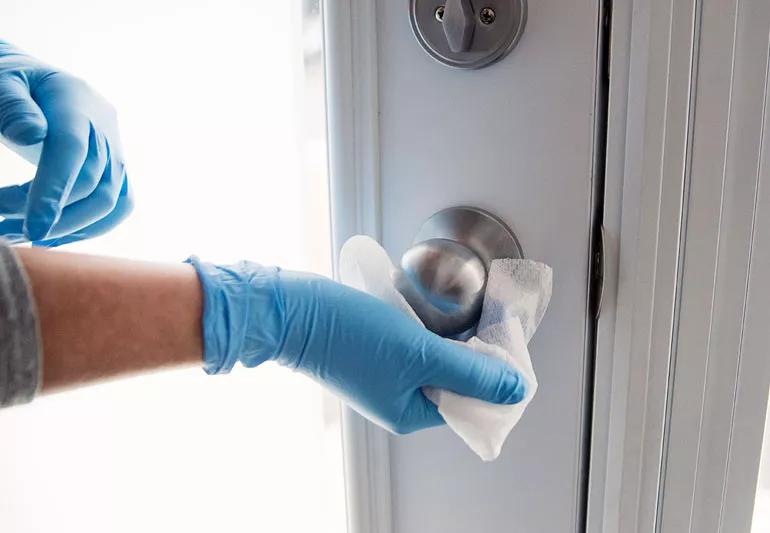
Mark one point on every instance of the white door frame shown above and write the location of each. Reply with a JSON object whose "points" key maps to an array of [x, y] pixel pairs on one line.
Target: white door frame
{"points": [[677, 434], [350, 38], [648, 123]]}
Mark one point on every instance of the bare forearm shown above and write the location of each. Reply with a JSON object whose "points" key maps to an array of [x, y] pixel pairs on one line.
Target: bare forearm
{"points": [[102, 317]]}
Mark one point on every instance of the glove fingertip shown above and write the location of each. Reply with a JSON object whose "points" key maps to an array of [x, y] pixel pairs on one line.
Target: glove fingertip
{"points": [[37, 229], [21, 120], [28, 130], [43, 212], [515, 388]]}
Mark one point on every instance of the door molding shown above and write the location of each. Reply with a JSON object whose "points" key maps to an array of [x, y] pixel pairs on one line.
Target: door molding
{"points": [[720, 362], [652, 46], [676, 433], [350, 39]]}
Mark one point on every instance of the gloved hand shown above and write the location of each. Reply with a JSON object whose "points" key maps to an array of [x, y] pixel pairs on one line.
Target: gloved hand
{"points": [[80, 189], [368, 352]]}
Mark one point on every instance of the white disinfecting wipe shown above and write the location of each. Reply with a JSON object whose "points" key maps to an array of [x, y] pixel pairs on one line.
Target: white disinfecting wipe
{"points": [[516, 297]]}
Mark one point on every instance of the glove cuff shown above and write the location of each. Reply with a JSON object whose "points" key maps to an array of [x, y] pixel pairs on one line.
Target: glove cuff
{"points": [[241, 318]]}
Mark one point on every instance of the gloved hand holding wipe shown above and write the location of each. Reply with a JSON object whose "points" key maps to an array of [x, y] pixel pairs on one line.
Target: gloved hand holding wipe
{"points": [[80, 189], [373, 355]]}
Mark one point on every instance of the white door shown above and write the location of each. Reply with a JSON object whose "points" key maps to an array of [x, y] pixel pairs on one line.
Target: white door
{"points": [[517, 138]]}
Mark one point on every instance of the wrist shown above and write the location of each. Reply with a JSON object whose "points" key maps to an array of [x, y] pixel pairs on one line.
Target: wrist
{"points": [[242, 316]]}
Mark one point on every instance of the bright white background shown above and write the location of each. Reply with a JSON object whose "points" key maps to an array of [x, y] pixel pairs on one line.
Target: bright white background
{"points": [[221, 111]]}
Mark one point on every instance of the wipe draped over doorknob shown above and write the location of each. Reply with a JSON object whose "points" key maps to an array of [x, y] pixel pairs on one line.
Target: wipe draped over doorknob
{"points": [[516, 295], [443, 275]]}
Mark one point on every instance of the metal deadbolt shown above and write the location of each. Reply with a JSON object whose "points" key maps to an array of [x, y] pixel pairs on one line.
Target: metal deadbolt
{"points": [[443, 275], [468, 33]]}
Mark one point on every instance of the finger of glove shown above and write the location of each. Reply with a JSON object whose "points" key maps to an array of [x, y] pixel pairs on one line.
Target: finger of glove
{"points": [[13, 200], [420, 413], [92, 172], [122, 210], [21, 119], [470, 373], [13, 231], [64, 152], [102, 202]]}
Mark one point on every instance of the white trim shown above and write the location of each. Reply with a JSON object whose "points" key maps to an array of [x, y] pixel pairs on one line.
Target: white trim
{"points": [[367, 474], [350, 32], [352, 115], [603, 452], [719, 311], [677, 434], [649, 120], [753, 379]]}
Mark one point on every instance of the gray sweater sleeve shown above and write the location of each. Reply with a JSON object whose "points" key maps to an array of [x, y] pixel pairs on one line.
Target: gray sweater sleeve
{"points": [[20, 345]]}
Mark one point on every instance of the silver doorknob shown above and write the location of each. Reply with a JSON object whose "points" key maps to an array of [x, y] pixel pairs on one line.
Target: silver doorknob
{"points": [[443, 275]]}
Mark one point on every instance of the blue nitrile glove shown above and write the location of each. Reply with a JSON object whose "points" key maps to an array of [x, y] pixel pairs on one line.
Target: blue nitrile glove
{"points": [[80, 189], [370, 353]]}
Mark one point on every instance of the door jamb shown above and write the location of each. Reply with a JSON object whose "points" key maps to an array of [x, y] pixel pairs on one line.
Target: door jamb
{"points": [[350, 44], [652, 46]]}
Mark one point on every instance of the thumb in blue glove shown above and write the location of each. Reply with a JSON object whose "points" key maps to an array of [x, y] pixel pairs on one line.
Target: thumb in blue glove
{"points": [[371, 354], [80, 189]]}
